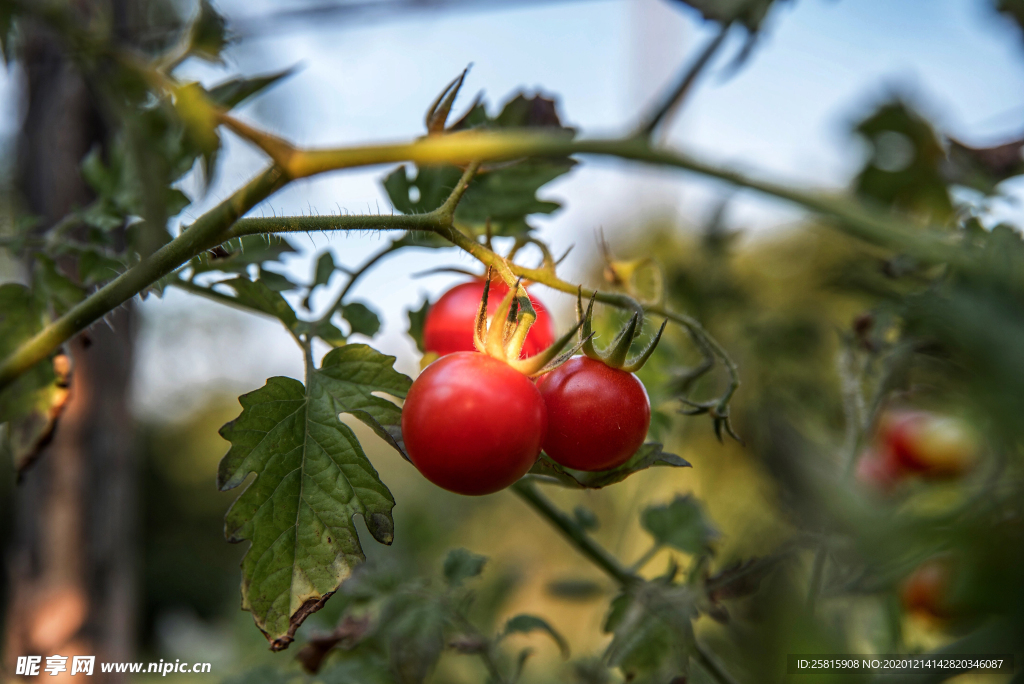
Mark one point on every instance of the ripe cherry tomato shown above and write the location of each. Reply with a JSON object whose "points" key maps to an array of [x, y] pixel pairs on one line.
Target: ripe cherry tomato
{"points": [[473, 424], [450, 322], [597, 415], [879, 470], [928, 444], [927, 589]]}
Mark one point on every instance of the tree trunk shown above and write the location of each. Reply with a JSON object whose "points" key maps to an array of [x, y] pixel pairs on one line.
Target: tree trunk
{"points": [[71, 584]]}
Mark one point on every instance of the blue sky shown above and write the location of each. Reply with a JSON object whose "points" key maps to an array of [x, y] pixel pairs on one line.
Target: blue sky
{"points": [[786, 115]]}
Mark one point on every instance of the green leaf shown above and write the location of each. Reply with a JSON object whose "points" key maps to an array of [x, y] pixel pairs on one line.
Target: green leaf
{"points": [[508, 195], [504, 194], [276, 281], [312, 477], [255, 294], [95, 267], [647, 456], [460, 565], [416, 629], [32, 403], [905, 168], [209, 33], [680, 524], [426, 191], [361, 319], [231, 93], [524, 624], [417, 319], [652, 632], [53, 286], [324, 269]]}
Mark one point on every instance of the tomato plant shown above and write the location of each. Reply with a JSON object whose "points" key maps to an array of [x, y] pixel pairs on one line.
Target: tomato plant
{"points": [[909, 294]]}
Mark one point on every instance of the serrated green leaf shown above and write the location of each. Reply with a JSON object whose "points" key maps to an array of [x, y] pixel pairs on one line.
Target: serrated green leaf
{"points": [[361, 318], [231, 93], [351, 373], [647, 456], [680, 524], [32, 403], [508, 195], [460, 565], [417, 319], [524, 624], [504, 194], [312, 477]]}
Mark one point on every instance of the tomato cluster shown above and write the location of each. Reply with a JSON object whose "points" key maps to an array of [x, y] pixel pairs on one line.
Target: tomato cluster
{"points": [[917, 443], [474, 424]]}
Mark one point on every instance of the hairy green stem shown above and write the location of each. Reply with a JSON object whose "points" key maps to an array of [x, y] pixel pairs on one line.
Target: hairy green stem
{"points": [[459, 148], [207, 232]]}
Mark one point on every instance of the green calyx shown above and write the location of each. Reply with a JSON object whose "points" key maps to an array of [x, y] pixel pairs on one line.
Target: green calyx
{"points": [[502, 336], [616, 353]]}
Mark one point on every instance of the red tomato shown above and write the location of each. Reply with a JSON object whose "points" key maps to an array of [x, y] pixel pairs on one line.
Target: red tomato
{"points": [[926, 590], [879, 470], [597, 415], [928, 444], [450, 322], [473, 424]]}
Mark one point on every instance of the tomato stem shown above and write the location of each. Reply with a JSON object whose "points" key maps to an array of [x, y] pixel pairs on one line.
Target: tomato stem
{"points": [[529, 493]]}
